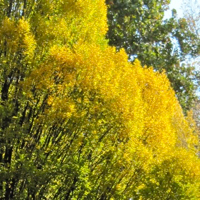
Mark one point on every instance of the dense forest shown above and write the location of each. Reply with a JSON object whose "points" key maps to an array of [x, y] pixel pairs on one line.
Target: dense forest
{"points": [[95, 103]]}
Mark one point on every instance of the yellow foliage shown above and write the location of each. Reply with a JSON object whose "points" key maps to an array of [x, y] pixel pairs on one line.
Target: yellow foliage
{"points": [[152, 118], [67, 22], [17, 37], [123, 113]]}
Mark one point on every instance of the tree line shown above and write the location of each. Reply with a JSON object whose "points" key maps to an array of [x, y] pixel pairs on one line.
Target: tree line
{"points": [[81, 119]]}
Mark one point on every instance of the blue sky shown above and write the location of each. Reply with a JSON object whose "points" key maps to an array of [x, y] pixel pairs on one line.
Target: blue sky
{"points": [[177, 5]]}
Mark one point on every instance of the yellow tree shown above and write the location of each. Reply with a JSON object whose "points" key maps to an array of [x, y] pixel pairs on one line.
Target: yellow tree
{"points": [[78, 121]]}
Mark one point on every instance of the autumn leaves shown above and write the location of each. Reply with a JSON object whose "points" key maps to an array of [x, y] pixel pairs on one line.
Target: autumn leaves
{"points": [[86, 123]]}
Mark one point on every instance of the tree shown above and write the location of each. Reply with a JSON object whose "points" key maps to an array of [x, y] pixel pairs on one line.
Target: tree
{"points": [[139, 27], [192, 15], [78, 121]]}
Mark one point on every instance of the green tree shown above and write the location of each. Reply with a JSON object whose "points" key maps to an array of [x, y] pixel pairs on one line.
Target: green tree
{"points": [[139, 27]]}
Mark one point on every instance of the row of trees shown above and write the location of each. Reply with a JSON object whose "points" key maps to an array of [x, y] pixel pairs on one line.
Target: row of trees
{"points": [[78, 120]]}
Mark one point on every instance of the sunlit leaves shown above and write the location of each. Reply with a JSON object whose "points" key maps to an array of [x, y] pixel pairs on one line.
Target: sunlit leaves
{"points": [[78, 121]]}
